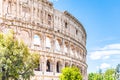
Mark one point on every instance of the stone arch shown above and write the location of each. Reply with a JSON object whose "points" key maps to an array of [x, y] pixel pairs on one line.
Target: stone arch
{"points": [[38, 68], [58, 44], [5, 7], [37, 40], [49, 65], [66, 47], [58, 66], [73, 65], [24, 35], [77, 53], [48, 42], [81, 70], [80, 54], [49, 19], [5, 29], [67, 64], [77, 66], [72, 50]]}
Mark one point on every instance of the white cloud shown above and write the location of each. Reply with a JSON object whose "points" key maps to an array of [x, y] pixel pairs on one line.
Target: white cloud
{"points": [[105, 52], [104, 66], [112, 46], [106, 57], [97, 67]]}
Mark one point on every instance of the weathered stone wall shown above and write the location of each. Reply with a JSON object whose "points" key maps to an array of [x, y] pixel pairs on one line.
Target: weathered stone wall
{"points": [[58, 36]]}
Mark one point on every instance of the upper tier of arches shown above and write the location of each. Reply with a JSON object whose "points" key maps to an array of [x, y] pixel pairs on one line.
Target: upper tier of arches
{"points": [[41, 13]]}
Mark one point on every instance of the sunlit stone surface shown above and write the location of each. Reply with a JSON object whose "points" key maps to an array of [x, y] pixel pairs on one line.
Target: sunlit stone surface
{"points": [[57, 36]]}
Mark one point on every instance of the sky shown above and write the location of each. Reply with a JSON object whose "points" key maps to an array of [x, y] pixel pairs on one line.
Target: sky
{"points": [[101, 20]]}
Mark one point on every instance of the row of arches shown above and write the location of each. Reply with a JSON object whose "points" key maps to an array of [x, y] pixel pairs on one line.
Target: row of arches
{"points": [[38, 42], [60, 46], [49, 66], [55, 66]]}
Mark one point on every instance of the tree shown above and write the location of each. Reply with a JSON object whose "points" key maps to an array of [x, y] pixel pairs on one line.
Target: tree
{"points": [[70, 73], [109, 74], [117, 72], [16, 61], [95, 76], [91, 76]]}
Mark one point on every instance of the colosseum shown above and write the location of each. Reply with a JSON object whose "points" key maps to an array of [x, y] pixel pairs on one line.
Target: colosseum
{"points": [[58, 36]]}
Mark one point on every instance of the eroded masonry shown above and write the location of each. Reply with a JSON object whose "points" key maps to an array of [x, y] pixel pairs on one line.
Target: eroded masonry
{"points": [[58, 36]]}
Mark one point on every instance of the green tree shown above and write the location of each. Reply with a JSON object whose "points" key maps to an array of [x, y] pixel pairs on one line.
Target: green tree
{"points": [[117, 72], [70, 73], [16, 62], [109, 74], [91, 76], [95, 76]]}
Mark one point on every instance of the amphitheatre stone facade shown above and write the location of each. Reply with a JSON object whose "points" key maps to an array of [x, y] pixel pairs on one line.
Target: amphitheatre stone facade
{"points": [[58, 36]]}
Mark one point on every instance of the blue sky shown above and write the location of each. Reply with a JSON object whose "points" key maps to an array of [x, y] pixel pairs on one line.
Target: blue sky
{"points": [[101, 19]]}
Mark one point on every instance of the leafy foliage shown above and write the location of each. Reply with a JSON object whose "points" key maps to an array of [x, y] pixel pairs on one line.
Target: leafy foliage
{"points": [[70, 73], [95, 76], [16, 61], [108, 75], [117, 74]]}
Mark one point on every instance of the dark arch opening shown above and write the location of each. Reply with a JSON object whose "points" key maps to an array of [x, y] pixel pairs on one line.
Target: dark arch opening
{"points": [[48, 66], [38, 68], [58, 67]]}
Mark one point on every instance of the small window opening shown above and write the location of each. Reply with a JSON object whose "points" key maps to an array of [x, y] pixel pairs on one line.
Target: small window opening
{"points": [[66, 25]]}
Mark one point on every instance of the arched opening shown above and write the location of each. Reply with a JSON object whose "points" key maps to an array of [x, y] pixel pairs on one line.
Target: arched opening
{"points": [[49, 19], [81, 70], [66, 64], [66, 24], [66, 48], [24, 35], [72, 51], [58, 45], [58, 67], [36, 40], [6, 30], [73, 65], [81, 52], [37, 68], [77, 66], [49, 66], [48, 42], [77, 53]]}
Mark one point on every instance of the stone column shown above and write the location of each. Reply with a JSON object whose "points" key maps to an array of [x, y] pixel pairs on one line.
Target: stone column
{"points": [[44, 18], [53, 43], [63, 63], [62, 46], [44, 42], [68, 48], [54, 67], [44, 64]]}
